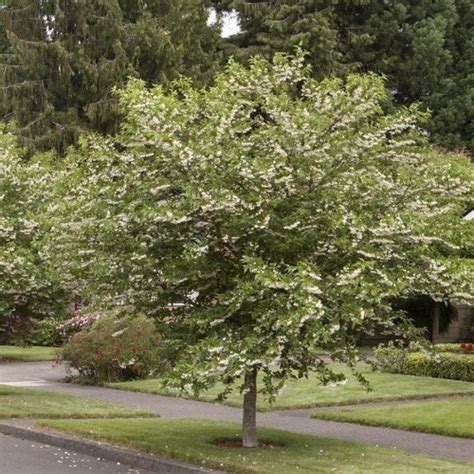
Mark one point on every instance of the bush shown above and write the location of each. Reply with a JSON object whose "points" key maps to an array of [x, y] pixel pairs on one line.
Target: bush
{"points": [[448, 348], [391, 359], [462, 348], [114, 349], [77, 323], [446, 366], [30, 331], [45, 332], [443, 366]]}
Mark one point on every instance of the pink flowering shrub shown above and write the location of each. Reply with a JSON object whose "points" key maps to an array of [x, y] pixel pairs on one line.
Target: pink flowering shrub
{"points": [[114, 348], [77, 323]]}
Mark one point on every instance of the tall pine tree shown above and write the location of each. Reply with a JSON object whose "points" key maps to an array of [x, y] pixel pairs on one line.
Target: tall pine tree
{"points": [[65, 58]]}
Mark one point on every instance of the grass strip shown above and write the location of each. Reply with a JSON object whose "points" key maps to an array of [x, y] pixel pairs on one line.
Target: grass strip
{"points": [[452, 418], [309, 393], [27, 403], [194, 441], [27, 354]]}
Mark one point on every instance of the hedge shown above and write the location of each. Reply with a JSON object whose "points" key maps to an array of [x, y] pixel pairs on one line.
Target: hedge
{"points": [[462, 348], [445, 366]]}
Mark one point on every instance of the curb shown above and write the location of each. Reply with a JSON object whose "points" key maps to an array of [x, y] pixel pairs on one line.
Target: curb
{"points": [[105, 451]]}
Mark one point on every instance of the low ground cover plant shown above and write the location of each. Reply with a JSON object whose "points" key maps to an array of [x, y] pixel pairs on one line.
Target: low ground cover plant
{"points": [[114, 348]]}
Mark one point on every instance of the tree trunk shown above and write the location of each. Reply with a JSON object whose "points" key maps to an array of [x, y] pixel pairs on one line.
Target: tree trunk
{"points": [[249, 425]]}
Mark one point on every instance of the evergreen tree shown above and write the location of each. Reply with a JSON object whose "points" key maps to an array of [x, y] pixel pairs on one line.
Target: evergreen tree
{"points": [[66, 57], [425, 48]]}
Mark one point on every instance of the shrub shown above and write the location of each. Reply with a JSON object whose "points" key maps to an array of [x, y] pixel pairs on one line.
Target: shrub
{"points": [[113, 349], [45, 332], [462, 348], [77, 323], [466, 347], [390, 358], [14, 329], [445, 365]]}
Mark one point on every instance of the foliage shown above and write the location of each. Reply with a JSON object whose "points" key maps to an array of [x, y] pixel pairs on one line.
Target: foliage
{"points": [[114, 349], [391, 358], [77, 323], [442, 365], [65, 57], [282, 213], [424, 48], [466, 347], [45, 332], [29, 286], [461, 348]]}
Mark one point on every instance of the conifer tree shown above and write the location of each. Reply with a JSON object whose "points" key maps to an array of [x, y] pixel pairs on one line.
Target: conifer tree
{"points": [[66, 57]]}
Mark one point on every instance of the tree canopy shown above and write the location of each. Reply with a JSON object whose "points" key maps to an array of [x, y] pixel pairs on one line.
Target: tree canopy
{"points": [[425, 48], [29, 286], [262, 220], [64, 58]]}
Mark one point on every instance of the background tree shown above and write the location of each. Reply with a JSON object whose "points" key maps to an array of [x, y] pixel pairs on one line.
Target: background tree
{"points": [[65, 58], [425, 49], [283, 213], [28, 285]]}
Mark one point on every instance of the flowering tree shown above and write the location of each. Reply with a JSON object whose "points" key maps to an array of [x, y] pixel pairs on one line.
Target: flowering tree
{"points": [[280, 212], [28, 286]]}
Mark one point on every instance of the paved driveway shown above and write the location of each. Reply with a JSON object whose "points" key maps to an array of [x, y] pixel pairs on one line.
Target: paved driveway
{"points": [[30, 374]]}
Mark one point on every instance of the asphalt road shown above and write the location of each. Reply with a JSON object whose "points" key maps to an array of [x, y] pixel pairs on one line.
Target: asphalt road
{"points": [[18, 456]]}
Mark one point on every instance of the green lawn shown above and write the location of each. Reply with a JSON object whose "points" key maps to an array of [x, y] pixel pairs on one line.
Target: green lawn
{"points": [[27, 354], [27, 403], [193, 441], [454, 417], [307, 393]]}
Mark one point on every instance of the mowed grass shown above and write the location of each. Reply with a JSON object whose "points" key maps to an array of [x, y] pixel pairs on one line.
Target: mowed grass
{"points": [[27, 354], [194, 441], [448, 417], [27, 403], [308, 393]]}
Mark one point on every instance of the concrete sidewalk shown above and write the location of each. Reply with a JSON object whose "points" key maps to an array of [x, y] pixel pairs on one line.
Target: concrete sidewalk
{"points": [[296, 421]]}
